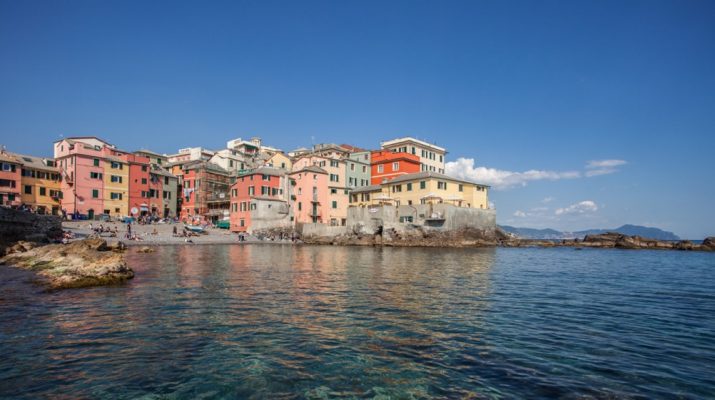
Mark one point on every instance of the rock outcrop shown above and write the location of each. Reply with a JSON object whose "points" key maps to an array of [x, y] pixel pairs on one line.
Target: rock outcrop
{"points": [[415, 237], [83, 263], [611, 240]]}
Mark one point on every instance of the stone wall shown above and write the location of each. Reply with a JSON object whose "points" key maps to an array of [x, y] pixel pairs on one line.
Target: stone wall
{"points": [[320, 230], [20, 225], [270, 215], [431, 217]]}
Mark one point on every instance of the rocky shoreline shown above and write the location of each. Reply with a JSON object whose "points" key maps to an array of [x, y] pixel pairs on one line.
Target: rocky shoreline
{"points": [[83, 263], [479, 238]]}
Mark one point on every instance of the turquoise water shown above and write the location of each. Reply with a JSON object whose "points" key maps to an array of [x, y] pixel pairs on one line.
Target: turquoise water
{"points": [[283, 322]]}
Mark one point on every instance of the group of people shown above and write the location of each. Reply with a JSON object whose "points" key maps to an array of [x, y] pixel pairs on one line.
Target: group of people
{"points": [[102, 229]]}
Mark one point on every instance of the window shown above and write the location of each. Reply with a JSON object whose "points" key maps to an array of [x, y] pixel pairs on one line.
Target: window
{"points": [[334, 163], [166, 180], [116, 179], [335, 204], [251, 190], [300, 206], [395, 166], [352, 166], [265, 190], [234, 192], [243, 222], [96, 162], [115, 196], [409, 187], [116, 165], [333, 191], [380, 168], [266, 178], [95, 193], [396, 188], [364, 169], [143, 181], [442, 185], [43, 191], [406, 219], [461, 187], [95, 175], [253, 206], [144, 168], [334, 178], [440, 158], [28, 189]]}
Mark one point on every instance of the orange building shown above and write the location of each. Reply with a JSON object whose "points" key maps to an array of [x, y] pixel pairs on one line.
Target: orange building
{"points": [[386, 165], [9, 180]]}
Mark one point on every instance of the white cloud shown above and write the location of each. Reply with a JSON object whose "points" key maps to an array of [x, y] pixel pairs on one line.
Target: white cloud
{"points": [[603, 167], [547, 200], [605, 163], [582, 207], [519, 213], [464, 168]]}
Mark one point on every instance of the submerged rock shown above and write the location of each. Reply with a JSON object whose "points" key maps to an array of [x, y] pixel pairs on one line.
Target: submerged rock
{"points": [[82, 263]]}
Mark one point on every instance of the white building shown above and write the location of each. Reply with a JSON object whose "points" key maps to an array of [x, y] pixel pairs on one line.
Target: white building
{"points": [[431, 156]]}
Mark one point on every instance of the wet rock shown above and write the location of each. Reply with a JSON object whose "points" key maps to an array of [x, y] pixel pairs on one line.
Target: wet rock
{"points": [[708, 244], [78, 264]]}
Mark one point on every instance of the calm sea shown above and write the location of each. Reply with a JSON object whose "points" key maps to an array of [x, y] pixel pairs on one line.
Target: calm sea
{"points": [[284, 322]]}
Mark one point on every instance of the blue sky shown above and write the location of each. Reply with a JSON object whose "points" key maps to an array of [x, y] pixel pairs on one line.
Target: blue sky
{"points": [[562, 89]]}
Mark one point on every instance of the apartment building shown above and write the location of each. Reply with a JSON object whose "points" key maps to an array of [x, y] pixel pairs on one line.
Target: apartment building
{"points": [[431, 156], [386, 165], [260, 200]]}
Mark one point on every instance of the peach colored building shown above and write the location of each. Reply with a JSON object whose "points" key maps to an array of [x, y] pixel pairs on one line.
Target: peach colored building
{"points": [[335, 210], [10, 181], [311, 194]]}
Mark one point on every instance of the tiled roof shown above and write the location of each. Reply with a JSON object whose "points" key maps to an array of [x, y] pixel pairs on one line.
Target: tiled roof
{"points": [[365, 189]]}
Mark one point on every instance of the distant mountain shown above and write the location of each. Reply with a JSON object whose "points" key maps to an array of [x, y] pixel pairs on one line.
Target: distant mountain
{"points": [[633, 230]]}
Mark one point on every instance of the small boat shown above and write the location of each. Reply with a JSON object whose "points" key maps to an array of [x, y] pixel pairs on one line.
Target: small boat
{"points": [[195, 229]]}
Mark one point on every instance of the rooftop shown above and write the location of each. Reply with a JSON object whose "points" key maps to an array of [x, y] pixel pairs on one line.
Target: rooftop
{"points": [[427, 175], [410, 139]]}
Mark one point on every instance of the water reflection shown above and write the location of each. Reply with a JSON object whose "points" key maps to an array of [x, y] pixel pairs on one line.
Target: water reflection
{"points": [[276, 321]]}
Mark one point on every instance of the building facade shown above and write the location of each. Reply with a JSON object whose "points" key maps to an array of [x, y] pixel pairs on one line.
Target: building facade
{"points": [[431, 157], [358, 169], [80, 161], [387, 165], [423, 188], [310, 188], [260, 200], [205, 196], [116, 186], [10, 180]]}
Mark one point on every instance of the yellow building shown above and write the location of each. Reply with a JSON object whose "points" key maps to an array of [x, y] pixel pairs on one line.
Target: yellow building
{"points": [[423, 188], [116, 187], [40, 184], [280, 160]]}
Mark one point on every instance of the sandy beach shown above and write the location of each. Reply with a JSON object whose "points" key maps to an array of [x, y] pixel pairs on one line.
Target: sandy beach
{"points": [[158, 234]]}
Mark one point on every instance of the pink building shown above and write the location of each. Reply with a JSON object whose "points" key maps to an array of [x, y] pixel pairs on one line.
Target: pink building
{"points": [[80, 162], [311, 194], [336, 207]]}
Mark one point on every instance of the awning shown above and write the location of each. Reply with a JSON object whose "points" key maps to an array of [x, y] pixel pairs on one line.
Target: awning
{"points": [[431, 196]]}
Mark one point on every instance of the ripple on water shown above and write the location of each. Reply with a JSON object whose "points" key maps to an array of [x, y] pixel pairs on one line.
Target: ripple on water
{"points": [[334, 322]]}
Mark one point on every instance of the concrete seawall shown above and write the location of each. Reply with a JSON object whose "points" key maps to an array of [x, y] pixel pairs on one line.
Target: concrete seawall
{"points": [[20, 225]]}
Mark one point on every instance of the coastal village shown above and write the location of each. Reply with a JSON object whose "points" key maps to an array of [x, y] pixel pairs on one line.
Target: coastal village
{"points": [[248, 187]]}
